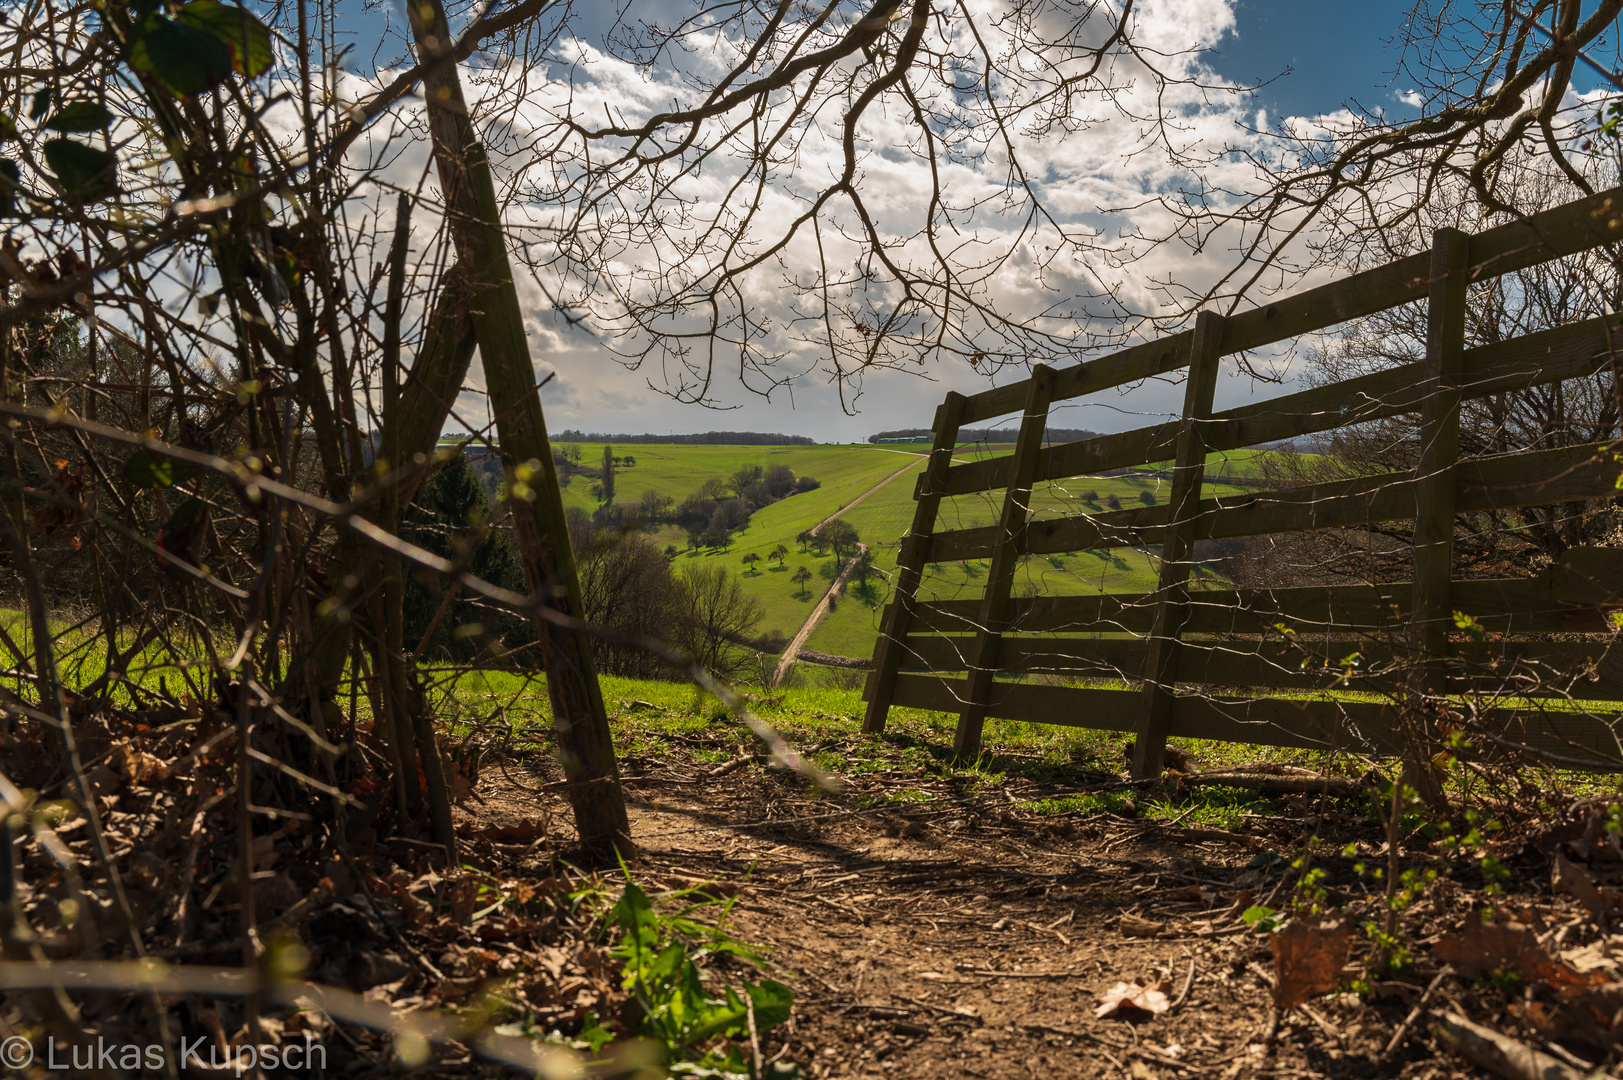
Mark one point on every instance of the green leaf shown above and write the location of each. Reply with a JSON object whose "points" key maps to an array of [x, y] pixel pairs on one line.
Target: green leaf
{"points": [[150, 471], [10, 177], [86, 174], [41, 102], [8, 127], [182, 59], [247, 37], [79, 116], [1258, 917], [772, 1001]]}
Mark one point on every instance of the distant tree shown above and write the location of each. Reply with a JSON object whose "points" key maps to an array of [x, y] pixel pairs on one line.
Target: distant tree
{"points": [[864, 566], [631, 461], [1147, 497], [652, 506], [743, 478], [1113, 501], [574, 453], [750, 560], [842, 535], [818, 542], [779, 553], [717, 615], [671, 552], [779, 480], [806, 483], [696, 538], [713, 538], [627, 585], [800, 577], [449, 513], [804, 539], [608, 474]]}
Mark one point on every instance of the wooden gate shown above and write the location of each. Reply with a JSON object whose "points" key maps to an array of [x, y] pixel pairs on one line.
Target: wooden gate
{"points": [[1275, 666]]}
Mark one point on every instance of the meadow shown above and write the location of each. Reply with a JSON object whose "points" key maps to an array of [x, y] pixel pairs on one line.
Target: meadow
{"points": [[849, 472]]}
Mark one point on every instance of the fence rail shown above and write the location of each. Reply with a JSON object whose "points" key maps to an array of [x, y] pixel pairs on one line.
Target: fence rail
{"points": [[1183, 645]]}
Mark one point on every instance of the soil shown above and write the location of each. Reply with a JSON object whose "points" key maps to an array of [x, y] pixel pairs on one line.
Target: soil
{"points": [[979, 940]]}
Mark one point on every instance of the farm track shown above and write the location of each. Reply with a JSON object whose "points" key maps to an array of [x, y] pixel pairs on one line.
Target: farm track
{"points": [[819, 612]]}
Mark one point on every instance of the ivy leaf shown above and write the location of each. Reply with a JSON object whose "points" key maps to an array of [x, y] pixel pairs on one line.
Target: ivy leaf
{"points": [[86, 174], [182, 59], [150, 471], [10, 177], [248, 39], [80, 116], [41, 102]]}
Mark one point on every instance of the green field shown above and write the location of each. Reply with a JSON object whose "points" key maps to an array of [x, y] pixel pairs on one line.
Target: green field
{"points": [[846, 473]]}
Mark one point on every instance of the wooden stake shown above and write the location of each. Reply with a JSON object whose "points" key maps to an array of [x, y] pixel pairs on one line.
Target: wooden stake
{"points": [[585, 747], [1177, 548], [888, 650], [1005, 559]]}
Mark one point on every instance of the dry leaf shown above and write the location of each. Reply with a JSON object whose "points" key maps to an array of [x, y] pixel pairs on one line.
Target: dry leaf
{"points": [[1483, 947], [527, 831], [1136, 926], [1572, 879], [1308, 957], [1135, 1001], [138, 766]]}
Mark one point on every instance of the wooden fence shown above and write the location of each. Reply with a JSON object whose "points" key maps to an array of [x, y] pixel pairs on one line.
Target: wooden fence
{"points": [[1259, 666]]}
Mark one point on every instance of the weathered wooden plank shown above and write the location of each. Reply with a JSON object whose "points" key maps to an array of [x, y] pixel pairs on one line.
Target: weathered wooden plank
{"points": [[1549, 356], [1362, 294], [910, 565], [1005, 561], [1439, 452], [1094, 455], [1566, 352], [1564, 230], [1501, 482], [1587, 738], [1538, 605], [1589, 670], [1177, 547], [1135, 362]]}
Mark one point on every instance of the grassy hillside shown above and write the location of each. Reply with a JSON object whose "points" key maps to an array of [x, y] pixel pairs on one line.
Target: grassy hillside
{"points": [[846, 473]]}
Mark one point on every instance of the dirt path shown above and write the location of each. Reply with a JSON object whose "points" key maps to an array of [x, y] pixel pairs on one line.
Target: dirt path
{"points": [[964, 937], [787, 661]]}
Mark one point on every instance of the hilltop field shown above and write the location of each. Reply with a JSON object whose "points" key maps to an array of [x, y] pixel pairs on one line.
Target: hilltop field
{"points": [[871, 487]]}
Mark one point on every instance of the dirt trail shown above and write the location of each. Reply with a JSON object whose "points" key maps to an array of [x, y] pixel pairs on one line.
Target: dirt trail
{"points": [[787, 661], [959, 938]]}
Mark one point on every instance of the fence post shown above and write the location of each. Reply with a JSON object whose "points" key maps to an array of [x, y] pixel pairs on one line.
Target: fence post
{"points": [[1177, 547], [1434, 479], [1005, 559], [887, 657]]}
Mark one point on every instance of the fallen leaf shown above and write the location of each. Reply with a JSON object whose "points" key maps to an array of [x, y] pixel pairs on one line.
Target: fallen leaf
{"points": [[1572, 879], [1136, 926], [1308, 957], [1135, 1001], [527, 831], [1484, 947]]}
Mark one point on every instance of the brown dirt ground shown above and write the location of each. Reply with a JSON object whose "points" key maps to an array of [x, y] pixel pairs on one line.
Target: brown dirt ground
{"points": [[976, 940]]}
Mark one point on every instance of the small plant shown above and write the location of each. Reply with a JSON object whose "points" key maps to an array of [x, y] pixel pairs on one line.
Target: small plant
{"points": [[679, 1004]]}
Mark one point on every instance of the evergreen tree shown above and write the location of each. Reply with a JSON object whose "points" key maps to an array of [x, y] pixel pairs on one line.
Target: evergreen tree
{"points": [[449, 513]]}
